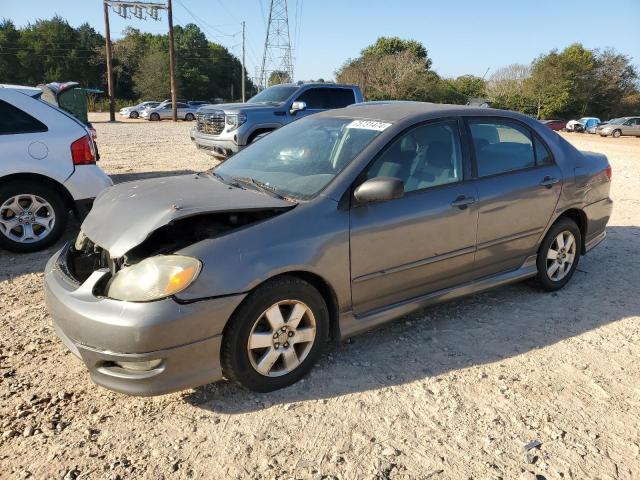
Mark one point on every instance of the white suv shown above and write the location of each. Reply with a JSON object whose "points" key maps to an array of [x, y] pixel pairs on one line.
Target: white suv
{"points": [[47, 168]]}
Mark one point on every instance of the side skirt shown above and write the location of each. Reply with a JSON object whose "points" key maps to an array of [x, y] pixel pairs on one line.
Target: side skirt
{"points": [[351, 324]]}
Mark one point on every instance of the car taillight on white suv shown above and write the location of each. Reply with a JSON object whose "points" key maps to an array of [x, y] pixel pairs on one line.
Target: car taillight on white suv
{"points": [[83, 151]]}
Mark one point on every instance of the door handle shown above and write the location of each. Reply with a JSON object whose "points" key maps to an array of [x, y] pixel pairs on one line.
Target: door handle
{"points": [[549, 181], [462, 201]]}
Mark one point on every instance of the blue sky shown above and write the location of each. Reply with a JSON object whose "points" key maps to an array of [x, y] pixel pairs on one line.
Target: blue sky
{"points": [[461, 36]]}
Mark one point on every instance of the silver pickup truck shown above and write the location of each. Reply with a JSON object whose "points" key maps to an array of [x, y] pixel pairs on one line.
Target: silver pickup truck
{"points": [[225, 129]]}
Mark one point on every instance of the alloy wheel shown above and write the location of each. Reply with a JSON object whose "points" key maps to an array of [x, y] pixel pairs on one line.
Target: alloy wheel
{"points": [[561, 256], [281, 338], [26, 218]]}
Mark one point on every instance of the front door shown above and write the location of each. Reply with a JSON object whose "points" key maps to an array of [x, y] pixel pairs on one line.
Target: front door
{"points": [[425, 241], [518, 186]]}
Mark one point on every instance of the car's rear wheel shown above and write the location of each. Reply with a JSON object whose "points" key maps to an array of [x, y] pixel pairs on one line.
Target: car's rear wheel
{"points": [[32, 216], [616, 133], [559, 254], [134, 115], [189, 117], [276, 335], [154, 116]]}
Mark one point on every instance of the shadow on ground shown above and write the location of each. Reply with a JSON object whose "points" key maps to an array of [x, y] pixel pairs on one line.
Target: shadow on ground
{"points": [[478, 330]]}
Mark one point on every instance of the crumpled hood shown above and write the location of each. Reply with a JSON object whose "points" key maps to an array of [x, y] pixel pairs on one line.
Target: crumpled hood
{"points": [[124, 215], [238, 107]]}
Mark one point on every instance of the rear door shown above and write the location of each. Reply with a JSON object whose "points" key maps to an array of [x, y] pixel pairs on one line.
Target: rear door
{"points": [[424, 241], [631, 127], [518, 187]]}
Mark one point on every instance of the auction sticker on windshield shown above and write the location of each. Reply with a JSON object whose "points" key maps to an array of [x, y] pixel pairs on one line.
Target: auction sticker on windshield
{"points": [[369, 125]]}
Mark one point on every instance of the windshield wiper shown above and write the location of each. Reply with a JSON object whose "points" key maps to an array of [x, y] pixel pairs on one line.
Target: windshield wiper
{"points": [[261, 186]]}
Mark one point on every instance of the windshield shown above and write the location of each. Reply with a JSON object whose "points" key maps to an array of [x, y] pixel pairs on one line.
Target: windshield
{"points": [[277, 94], [616, 121], [300, 159]]}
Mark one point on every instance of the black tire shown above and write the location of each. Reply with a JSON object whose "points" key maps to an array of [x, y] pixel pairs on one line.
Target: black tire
{"points": [[544, 280], [154, 117], [616, 134], [236, 363], [46, 193], [189, 117], [134, 115]]}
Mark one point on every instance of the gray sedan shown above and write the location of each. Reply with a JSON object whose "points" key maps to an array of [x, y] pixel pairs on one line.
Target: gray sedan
{"points": [[164, 112], [327, 227]]}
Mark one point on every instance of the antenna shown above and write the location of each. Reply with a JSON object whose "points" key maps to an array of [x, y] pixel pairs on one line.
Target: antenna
{"points": [[277, 46]]}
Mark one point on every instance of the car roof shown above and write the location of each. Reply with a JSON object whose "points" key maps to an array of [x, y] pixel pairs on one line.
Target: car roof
{"points": [[316, 84], [394, 111], [31, 91]]}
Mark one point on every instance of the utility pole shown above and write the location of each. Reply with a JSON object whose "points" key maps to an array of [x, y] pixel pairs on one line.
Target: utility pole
{"points": [[243, 73], [140, 10], [172, 64], [112, 102]]}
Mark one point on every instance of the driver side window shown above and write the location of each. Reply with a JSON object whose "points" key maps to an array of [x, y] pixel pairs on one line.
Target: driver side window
{"points": [[424, 157]]}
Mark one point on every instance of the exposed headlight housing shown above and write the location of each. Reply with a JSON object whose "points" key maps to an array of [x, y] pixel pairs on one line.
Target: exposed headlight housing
{"points": [[154, 278], [234, 120], [80, 242]]}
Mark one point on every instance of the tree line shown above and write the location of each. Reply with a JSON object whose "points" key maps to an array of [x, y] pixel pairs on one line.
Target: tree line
{"points": [[52, 50], [570, 83]]}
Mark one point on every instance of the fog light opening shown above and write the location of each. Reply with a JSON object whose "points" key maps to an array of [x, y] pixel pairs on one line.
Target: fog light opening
{"points": [[142, 366]]}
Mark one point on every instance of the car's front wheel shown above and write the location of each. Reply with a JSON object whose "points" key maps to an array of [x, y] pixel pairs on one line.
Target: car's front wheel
{"points": [[616, 133], [154, 117], [559, 254], [276, 335], [32, 216], [189, 117], [134, 115]]}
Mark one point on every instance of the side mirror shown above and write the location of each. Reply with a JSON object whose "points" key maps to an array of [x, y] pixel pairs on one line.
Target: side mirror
{"points": [[379, 189], [297, 107]]}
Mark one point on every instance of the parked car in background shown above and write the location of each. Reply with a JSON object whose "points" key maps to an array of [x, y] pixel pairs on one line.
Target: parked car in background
{"points": [[331, 225], [47, 168], [135, 110], [555, 125], [197, 103], [583, 124], [164, 111], [620, 126], [225, 129]]}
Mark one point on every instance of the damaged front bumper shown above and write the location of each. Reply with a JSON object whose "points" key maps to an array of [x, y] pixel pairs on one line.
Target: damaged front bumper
{"points": [[137, 348]]}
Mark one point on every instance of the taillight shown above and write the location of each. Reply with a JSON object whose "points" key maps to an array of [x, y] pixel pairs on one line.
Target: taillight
{"points": [[83, 152], [609, 172]]}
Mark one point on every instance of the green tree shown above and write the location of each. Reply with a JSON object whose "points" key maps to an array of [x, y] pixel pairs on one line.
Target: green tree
{"points": [[10, 70], [562, 84], [392, 45], [277, 77], [467, 86], [152, 79]]}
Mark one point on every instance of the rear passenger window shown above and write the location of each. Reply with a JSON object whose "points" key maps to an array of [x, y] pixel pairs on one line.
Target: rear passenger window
{"points": [[501, 146], [13, 121], [326, 98], [543, 156], [339, 97]]}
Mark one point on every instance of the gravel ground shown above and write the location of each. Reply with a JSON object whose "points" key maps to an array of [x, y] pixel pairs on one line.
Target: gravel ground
{"points": [[513, 383]]}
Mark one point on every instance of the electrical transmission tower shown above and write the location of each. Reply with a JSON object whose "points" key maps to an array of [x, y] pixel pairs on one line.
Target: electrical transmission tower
{"points": [[277, 56]]}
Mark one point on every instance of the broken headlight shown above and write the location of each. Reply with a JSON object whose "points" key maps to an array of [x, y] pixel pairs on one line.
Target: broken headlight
{"points": [[154, 278], [81, 241], [234, 120]]}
